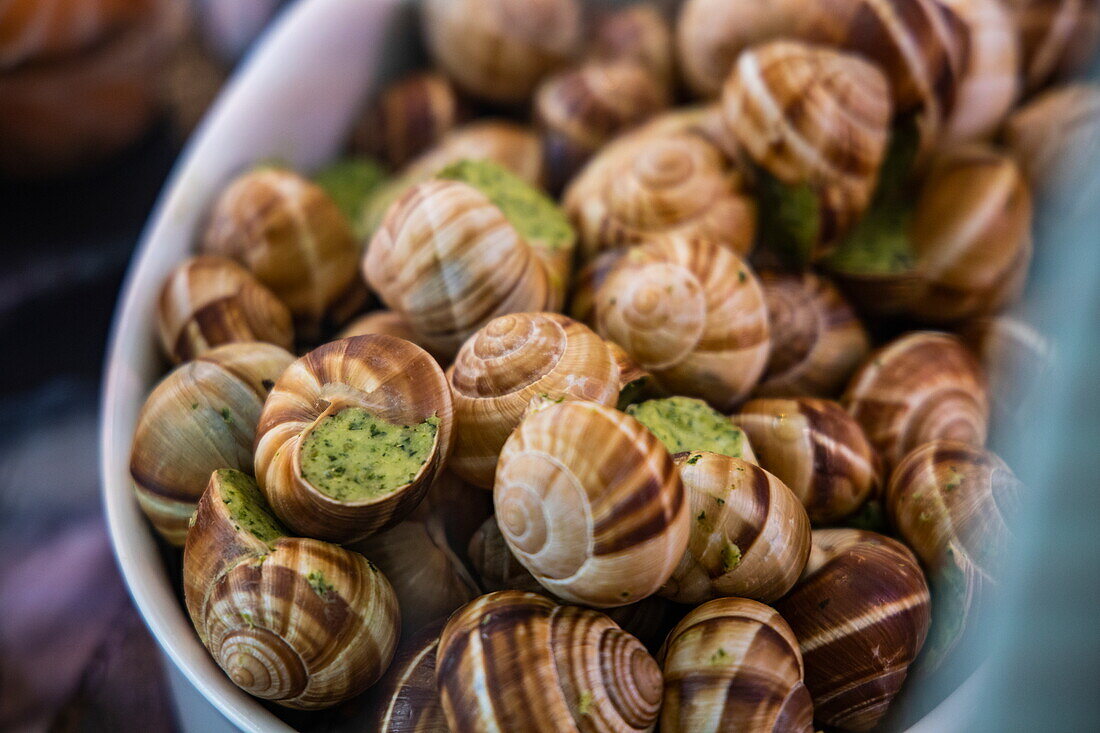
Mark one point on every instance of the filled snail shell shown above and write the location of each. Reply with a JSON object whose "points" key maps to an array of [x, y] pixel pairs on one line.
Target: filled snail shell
{"points": [[300, 622], [750, 535], [201, 417], [692, 313], [817, 449], [635, 382], [498, 50], [734, 664], [818, 340], [519, 662], [1059, 37], [509, 361], [589, 501], [293, 238], [861, 615], [408, 118], [580, 110], [971, 235], [352, 436], [812, 119], [638, 33], [406, 700], [921, 387], [208, 301], [952, 503], [653, 185], [514, 147]]}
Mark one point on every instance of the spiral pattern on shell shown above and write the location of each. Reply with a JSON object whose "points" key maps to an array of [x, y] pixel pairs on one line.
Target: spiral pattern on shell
{"points": [[861, 615], [411, 116], [923, 386], [543, 667], [508, 362], [817, 449], [390, 379], [692, 313], [750, 535], [734, 664], [591, 504]]}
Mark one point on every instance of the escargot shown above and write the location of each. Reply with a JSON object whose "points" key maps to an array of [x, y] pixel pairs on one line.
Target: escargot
{"points": [[406, 699], [296, 621], [409, 117], [684, 424], [1058, 37], [352, 436], [638, 33]]}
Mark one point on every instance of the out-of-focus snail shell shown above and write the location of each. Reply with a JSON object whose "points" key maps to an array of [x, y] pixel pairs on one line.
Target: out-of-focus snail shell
{"points": [[817, 338], [580, 110], [390, 379], [750, 535], [971, 235], [952, 503], [652, 185], [861, 615], [499, 49], [300, 622], [1014, 356], [201, 417], [380, 321], [408, 118], [692, 313], [589, 501], [921, 387], [812, 116], [406, 700], [292, 236], [817, 449], [638, 33], [587, 281], [209, 301], [497, 568], [734, 664], [449, 261], [515, 661], [504, 365], [1059, 37]]}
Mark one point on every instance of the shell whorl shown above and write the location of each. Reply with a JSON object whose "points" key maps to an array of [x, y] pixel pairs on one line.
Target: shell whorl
{"points": [[591, 504]]}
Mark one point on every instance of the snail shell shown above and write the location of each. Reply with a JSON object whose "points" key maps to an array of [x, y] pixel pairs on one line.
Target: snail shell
{"points": [[637, 33], [861, 615], [971, 235], [497, 568], [209, 301], [201, 417], [817, 449], [504, 365], [750, 535], [35, 30], [1015, 357], [300, 622], [499, 49], [408, 118], [591, 504], [660, 183], [515, 661], [390, 379], [734, 664], [812, 116], [692, 313], [1059, 38], [635, 383], [293, 238], [921, 387], [406, 699], [385, 322], [817, 339]]}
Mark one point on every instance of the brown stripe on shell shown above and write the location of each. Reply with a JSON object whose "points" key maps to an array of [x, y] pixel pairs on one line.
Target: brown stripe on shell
{"points": [[406, 700]]}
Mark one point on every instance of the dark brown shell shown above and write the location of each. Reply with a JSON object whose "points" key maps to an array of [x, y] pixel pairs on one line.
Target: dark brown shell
{"points": [[406, 699], [1059, 38], [408, 118], [638, 33]]}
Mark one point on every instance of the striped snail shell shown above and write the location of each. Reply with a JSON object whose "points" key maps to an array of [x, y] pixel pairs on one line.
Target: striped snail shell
{"points": [[637, 33], [339, 415], [1015, 356], [292, 236], [209, 301], [818, 340], [952, 503], [691, 312], [734, 664], [815, 448], [409, 117], [519, 662], [861, 615], [406, 700], [656, 184], [296, 621], [199, 418], [920, 387], [750, 535], [509, 361], [971, 235], [591, 504], [498, 50], [589, 278], [1059, 38], [815, 121]]}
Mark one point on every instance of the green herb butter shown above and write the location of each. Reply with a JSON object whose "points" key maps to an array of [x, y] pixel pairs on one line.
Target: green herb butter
{"points": [[350, 183], [790, 218], [246, 506], [685, 424]]}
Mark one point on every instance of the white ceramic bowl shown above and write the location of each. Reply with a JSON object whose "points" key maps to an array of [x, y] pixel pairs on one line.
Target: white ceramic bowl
{"points": [[294, 100]]}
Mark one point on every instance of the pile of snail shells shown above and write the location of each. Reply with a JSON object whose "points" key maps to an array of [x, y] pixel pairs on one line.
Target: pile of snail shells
{"points": [[635, 372]]}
